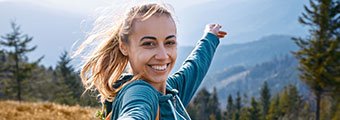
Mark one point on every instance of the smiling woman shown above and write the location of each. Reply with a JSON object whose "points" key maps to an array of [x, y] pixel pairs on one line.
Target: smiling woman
{"points": [[146, 40], [152, 49]]}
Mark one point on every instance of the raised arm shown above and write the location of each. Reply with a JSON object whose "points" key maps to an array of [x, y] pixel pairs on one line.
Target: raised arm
{"points": [[195, 67]]}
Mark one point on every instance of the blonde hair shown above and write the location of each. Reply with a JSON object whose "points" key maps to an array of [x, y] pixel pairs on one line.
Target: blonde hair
{"points": [[106, 63]]}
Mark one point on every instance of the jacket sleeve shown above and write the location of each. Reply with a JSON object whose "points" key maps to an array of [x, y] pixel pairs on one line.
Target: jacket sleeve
{"points": [[194, 68], [139, 102]]}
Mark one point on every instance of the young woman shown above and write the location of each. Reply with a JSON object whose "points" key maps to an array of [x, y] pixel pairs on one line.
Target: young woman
{"points": [[145, 39]]}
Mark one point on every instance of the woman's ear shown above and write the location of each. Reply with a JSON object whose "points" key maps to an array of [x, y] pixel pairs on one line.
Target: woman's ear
{"points": [[123, 49]]}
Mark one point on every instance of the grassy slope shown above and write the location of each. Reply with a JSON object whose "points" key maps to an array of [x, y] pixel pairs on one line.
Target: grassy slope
{"points": [[13, 110]]}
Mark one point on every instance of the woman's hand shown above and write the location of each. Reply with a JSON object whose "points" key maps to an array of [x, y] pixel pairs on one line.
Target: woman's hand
{"points": [[215, 29]]}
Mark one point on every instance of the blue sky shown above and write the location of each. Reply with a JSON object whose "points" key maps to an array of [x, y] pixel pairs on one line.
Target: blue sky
{"points": [[57, 24], [87, 6]]}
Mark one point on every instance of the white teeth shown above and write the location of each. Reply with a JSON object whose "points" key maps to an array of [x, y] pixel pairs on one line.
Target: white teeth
{"points": [[160, 68]]}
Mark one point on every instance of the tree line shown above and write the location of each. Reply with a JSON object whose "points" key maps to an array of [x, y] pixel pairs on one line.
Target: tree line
{"points": [[23, 80], [288, 104]]}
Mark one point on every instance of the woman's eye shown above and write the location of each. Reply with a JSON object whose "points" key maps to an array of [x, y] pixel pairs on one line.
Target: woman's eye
{"points": [[171, 43], [148, 44]]}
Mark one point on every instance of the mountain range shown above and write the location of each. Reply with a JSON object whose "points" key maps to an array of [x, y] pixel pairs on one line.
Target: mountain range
{"points": [[245, 67], [246, 54]]}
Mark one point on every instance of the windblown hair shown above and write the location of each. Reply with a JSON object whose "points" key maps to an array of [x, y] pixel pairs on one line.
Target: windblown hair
{"points": [[106, 63]]}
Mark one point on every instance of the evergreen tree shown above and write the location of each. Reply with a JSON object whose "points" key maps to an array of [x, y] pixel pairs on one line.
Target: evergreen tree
{"points": [[17, 43], [2, 71], [284, 102], [2, 58], [69, 89], [213, 105], [192, 111], [244, 113], [326, 108], [68, 74], [201, 106], [294, 102], [42, 86], [306, 112], [2, 62], [274, 109], [238, 106], [254, 111], [265, 99], [288, 104], [89, 99], [230, 108], [319, 54], [245, 98]]}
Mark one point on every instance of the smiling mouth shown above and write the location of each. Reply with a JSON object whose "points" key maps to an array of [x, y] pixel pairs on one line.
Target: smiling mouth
{"points": [[160, 67]]}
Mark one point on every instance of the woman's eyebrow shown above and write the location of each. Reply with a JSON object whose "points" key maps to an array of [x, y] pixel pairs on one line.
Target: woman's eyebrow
{"points": [[148, 37], [170, 36], [154, 38]]}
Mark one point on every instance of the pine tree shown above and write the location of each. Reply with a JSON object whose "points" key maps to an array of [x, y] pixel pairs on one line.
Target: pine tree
{"points": [[68, 82], [288, 105], [2, 71], [254, 111], [230, 108], [284, 102], [319, 54], [213, 105], [238, 106], [274, 109], [305, 113], [192, 111], [265, 99], [42, 87], [2, 62], [68, 74], [294, 102], [2, 56], [17, 43], [201, 106]]}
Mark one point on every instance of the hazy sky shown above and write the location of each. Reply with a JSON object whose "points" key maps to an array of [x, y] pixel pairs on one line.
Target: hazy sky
{"points": [[87, 6], [243, 19], [56, 24]]}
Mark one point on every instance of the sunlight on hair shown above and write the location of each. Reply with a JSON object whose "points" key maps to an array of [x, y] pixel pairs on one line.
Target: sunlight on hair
{"points": [[101, 21], [101, 62]]}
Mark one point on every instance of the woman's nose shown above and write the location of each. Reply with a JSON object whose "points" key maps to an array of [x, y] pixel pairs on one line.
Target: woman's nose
{"points": [[162, 53]]}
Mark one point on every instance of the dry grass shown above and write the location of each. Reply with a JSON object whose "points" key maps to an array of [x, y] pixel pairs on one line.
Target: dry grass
{"points": [[13, 110]]}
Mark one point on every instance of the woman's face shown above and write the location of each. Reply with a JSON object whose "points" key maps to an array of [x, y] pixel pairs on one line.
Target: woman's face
{"points": [[152, 48]]}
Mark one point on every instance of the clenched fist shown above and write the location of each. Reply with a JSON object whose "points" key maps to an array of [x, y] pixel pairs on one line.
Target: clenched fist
{"points": [[215, 29]]}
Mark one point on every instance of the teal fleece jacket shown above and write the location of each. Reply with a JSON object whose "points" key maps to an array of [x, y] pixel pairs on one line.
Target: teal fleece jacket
{"points": [[139, 100]]}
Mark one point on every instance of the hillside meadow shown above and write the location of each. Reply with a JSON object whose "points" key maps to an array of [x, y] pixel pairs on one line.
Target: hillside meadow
{"points": [[13, 110]]}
